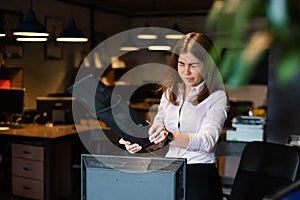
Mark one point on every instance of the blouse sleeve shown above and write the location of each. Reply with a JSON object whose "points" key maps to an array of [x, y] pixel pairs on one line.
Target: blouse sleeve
{"points": [[212, 125], [160, 115]]}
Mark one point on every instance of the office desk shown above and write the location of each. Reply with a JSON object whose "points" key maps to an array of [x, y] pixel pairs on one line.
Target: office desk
{"points": [[37, 161], [41, 131]]}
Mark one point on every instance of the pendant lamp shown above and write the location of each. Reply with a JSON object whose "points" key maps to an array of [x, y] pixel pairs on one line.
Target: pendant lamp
{"points": [[31, 29], [72, 34]]}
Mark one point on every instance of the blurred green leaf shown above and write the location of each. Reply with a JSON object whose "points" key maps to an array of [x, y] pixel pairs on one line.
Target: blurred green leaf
{"points": [[232, 20], [288, 67], [240, 73], [227, 66]]}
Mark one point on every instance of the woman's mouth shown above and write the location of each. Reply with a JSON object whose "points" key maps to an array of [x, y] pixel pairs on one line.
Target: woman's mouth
{"points": [[188, 79]]}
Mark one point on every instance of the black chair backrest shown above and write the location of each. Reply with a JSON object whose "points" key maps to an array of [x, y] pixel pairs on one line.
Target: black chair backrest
{"points": [[263, 169], [289, 192]]}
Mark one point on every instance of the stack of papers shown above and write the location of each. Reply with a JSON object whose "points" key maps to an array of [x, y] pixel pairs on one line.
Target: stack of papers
{"points": [[246, 129]]}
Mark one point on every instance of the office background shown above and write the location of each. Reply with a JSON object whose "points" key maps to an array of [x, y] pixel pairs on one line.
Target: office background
{"points": [[43, 76]]}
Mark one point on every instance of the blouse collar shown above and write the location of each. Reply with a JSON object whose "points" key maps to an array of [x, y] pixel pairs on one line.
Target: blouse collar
{"points": [[194, 90], [198, 88]]}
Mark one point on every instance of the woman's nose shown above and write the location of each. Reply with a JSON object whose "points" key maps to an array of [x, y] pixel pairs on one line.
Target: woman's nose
{"points": [[187, 69]]}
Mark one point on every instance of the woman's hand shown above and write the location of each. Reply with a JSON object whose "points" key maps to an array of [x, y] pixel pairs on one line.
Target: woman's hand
{"points": [[131, 148], [157, 134]]}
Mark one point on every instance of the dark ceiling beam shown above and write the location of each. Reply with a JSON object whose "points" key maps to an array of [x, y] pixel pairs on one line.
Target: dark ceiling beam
{"points": [[137, 14], [169, 13]]}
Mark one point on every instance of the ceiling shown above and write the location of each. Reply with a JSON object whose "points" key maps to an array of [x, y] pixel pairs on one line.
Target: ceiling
{"points": [[147, 7]]}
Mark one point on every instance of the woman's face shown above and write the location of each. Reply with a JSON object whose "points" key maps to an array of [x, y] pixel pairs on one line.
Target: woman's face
{"points": [[190, 69]]}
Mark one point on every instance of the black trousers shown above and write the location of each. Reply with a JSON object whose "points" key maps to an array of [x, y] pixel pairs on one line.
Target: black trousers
{"points": [[203, 182]]}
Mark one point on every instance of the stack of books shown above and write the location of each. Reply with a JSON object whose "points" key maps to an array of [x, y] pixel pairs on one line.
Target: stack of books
{"points": [[246, 129]]}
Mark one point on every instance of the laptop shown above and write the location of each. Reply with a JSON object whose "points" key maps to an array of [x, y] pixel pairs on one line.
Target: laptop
{"points": [[110, 108]]}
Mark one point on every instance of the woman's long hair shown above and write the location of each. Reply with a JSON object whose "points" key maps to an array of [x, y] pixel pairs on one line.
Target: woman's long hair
{"points": [[201, 47]]}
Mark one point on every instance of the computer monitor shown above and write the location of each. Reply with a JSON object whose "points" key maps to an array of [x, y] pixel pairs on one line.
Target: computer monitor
{"points": [[56, 110], [11, 104]]}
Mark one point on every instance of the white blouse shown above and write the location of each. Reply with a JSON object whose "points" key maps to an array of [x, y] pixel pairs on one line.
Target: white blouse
{"points": [[202, 122]]}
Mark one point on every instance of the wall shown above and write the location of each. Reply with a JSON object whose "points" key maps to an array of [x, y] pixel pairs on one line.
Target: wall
{"points": [[255, 93]]}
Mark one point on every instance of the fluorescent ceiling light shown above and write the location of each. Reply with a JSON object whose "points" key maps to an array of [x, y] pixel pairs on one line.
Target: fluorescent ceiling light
{"points": [[159, 48], [147, 34], [129, 44], [174, 36], [71, 39], [124, 48], [31, 34], [31, 39]]}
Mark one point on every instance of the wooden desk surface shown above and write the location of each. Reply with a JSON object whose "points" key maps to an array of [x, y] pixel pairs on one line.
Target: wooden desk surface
{"points": [[41, 131], [144, 106]]}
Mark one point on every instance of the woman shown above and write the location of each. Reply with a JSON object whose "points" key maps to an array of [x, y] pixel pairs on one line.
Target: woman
{"points": [[191, 115]]}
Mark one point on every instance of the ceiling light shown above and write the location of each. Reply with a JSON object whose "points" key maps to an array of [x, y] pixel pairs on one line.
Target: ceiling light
{"points": [[32, 39], [31, 27], [159, 45], [147, 34], [175, 34], [2, 34], [129, 45], [129, 48], [72, 34]]}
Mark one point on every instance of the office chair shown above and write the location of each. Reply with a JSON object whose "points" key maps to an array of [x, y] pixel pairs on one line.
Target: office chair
{"points": [[264, 168], [289, 192]]}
